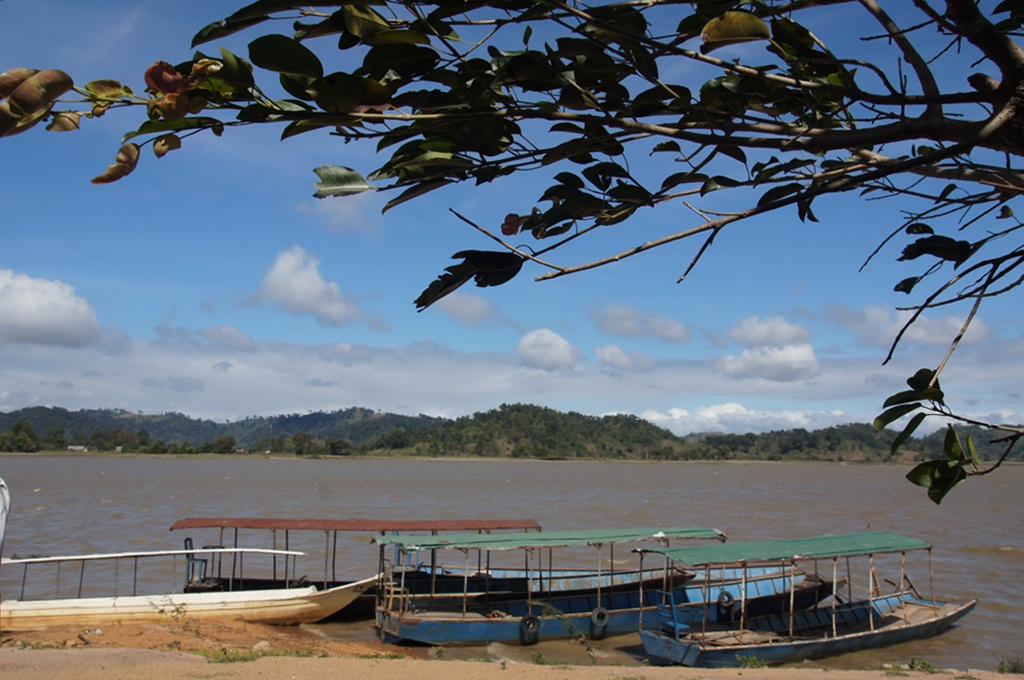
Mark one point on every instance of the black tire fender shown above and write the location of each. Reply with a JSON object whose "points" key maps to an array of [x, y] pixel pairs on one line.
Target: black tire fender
{"points": [[529, 630]]}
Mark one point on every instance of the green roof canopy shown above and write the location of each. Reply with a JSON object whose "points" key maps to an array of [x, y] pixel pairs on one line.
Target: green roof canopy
{"points": [[545, 539], [820, 547]]}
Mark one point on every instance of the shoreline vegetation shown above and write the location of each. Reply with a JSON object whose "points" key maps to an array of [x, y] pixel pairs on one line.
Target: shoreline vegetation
{"points": [[516, 431]]}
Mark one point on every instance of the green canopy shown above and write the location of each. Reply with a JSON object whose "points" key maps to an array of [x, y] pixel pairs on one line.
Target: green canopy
{"points": [[820, 547], [545, 539]]}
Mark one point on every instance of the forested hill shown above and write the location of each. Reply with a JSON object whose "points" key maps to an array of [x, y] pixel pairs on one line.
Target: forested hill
{"points": [[509, 431], [107, 429]]}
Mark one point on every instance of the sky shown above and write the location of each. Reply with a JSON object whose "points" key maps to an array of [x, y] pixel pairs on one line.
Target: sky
{"points": [[212, 283]]}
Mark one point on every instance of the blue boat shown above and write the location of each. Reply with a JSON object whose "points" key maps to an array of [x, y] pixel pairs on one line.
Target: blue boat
{"points": [[849, 621], [560, 603]]}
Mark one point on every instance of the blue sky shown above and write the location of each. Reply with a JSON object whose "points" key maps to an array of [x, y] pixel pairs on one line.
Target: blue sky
{"points": [[212, 283]]}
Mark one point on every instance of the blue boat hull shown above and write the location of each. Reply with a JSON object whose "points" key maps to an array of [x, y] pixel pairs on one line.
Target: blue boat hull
{"points": [[587, 614], [769, 642]]}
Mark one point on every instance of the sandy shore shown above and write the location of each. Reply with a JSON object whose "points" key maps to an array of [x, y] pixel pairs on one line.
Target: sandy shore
{"points": [[139, 664], [175, 651]]}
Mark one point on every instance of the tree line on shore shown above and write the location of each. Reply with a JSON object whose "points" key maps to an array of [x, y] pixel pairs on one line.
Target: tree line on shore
{"points": [[509, 431]]}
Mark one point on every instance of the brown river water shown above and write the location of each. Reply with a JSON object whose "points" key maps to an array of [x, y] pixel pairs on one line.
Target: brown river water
{"points": [[64, 505]]}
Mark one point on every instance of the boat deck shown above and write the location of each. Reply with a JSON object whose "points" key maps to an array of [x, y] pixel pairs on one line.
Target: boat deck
{"points": [[817, 624]]}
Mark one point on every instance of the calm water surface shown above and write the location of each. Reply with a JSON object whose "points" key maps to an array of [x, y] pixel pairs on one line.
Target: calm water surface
{"points": [[72, 505]]}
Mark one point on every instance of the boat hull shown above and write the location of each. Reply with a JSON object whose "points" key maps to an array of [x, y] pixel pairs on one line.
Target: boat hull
{"points": [[585, 614], [275, 606], [662, 648]]}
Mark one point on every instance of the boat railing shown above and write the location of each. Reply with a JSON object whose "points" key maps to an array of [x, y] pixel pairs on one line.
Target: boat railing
{"points": [[154, 570]]}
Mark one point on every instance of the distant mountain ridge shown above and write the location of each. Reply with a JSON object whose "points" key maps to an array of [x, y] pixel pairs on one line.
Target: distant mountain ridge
{"points": [[508, 431], [357, 425]]}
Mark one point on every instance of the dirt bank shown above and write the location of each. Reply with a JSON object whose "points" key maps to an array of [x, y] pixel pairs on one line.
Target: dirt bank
{"points": [[258, 652]]}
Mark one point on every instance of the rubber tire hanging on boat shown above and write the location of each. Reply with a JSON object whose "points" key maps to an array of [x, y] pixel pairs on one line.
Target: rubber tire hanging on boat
{"points": [[599, 617], [529, 630], [725, 602]]}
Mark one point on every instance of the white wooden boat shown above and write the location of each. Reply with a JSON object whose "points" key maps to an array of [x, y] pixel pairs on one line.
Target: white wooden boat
{"points": [[289, 532], [282, 605]]}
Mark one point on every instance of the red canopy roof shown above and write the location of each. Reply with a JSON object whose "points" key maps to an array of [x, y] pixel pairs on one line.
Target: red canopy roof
{"points": [[381, 526]]}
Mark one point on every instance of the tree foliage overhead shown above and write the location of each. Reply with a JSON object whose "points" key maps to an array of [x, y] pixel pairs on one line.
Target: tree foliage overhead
{"points": [[625, 107]]}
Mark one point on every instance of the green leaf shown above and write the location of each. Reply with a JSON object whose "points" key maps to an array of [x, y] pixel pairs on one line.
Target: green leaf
{"points": [[952, 446], [907, 431], [927, 473], [222, 29], [731, 28], [299, 87], [803, 209], [683, 178], [297, 127], [938, 476], [336, 180], [907, 396], [904, 397], [972, 452], [907, 284], [776, 193], [734, 152], [946, 482], [407, 60], [894, 414], [666, 146], [235, 70], [569, 179], [161, 125], [108, 89], [282, 54], [398, 37], [445, 284], [578, 99], [717, 182], [416, 190], [250, 15], [941, 247], [630, 193], [363, 22], [571, 128], [922, 380], [946, 191], [911, 426], [600, 174], [487, 268]]}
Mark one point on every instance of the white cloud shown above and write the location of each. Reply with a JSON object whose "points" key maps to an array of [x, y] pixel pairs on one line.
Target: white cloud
{"points": [[44, 312], [613, 356], [175, 384], [294, 282], [228, 336], [216, 380], [617, 358], [345, 214], [547, 350], [771, 332], [776, 350], [878, 326], [736, 418], [471, 310], [778, 364], [628, 322]]}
